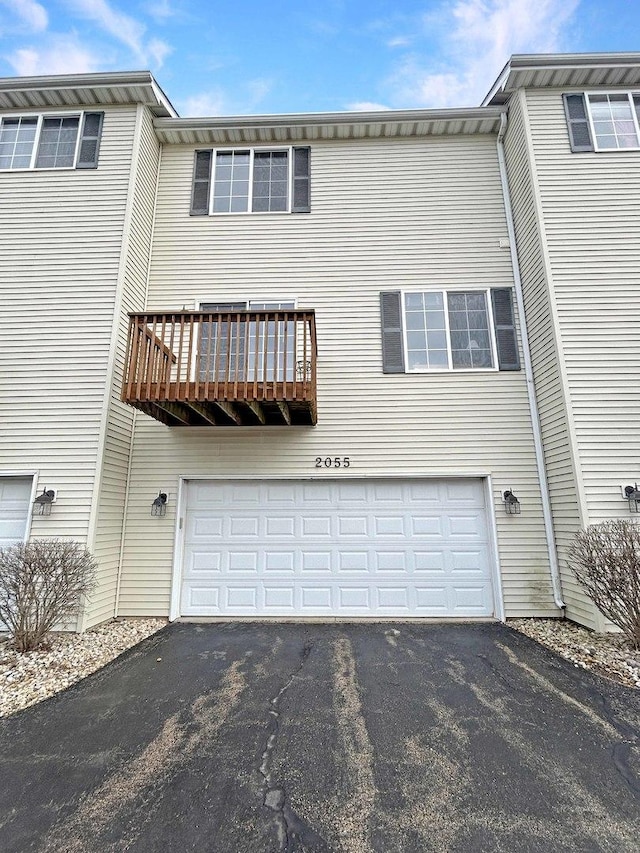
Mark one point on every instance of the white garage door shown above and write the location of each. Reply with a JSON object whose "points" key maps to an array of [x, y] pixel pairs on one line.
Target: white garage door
{"points": [[343, 548], [15, 495]]}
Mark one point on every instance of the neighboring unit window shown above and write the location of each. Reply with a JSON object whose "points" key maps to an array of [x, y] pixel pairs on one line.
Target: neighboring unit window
{"points": [[448, 330], [57, 148], [250, 180], [17, 136], [50, 142], [603, 121]]}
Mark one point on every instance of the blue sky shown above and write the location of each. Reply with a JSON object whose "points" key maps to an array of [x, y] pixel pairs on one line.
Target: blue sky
{"points": [[223, 58]]}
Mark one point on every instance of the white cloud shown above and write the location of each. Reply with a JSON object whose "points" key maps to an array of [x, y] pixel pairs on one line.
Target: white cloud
{"points": [[399, 41], [258, 90], [158, 50], [216, 102], [366, 107], [62, 55], [160, 10], [479, 36], [205, 104], [122, 27], [30, 14]]}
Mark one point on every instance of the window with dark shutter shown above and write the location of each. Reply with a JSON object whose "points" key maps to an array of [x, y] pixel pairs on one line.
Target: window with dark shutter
{"points": [[505, 329], [90, 141], [575, 110], [301, 180], [201, 183], [392, 345]]}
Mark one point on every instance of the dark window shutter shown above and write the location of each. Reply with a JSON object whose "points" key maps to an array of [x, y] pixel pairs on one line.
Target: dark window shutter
{"points": [[301, 180], [575, 110], [392, 347], [90, 141], [505, 326], [201, 183]]}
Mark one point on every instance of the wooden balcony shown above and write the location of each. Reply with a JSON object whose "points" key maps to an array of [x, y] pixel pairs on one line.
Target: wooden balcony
{"points": [[241, 368]]}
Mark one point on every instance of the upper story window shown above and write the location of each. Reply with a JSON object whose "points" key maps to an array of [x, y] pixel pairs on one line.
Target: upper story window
{"points": [[440, 330], [64, 141], [603, 121], [250, 180]]}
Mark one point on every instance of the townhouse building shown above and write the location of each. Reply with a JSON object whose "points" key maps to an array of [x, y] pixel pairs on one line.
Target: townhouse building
{"points": [[346, 365]]}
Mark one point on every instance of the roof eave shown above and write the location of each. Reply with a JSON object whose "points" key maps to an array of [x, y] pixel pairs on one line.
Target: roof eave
{"points": [[296, 126], [153, 95]]}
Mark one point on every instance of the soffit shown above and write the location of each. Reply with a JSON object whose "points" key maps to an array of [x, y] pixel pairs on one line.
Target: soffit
{"points": [[84, 90], [565, 71], [311, 127]]}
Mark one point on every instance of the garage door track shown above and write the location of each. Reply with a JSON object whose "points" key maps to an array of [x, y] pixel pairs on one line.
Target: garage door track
{"points": [[254, 738]]}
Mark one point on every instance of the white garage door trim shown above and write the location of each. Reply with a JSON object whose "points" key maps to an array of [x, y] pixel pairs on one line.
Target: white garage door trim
{"points": [[24, 475], [180, 532]]}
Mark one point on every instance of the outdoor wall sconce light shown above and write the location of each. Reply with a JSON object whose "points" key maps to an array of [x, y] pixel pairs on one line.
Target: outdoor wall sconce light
{"points": [[632, 495], [511, 503], [159, 506], [42, 504]]}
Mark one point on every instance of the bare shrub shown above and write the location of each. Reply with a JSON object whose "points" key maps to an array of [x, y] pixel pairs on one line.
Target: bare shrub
{"points": [[605, 559], [42, 585]]}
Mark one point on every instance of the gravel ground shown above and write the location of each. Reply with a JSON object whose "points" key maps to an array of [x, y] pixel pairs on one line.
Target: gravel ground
{"points": [[609, 655], [29, 678]]}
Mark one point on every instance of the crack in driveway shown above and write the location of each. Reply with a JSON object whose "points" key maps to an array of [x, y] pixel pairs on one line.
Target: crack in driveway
{"points": [[289, 825]]}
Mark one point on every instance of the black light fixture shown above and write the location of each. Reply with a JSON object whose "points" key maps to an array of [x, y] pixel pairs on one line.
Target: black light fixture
{"points": [[159, 506], [632, 495], [42, 504], [511, 503]]}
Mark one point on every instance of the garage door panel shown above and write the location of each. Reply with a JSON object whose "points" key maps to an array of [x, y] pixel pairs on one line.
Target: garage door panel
{"points": [[316, 598], [205, 561], [279, 597], [280, 561], [316, 526], [350, 547], [395, 598], [425, 492], [280, 526], [432, 601], [470, 598], [356, 525], [467, 526], [460, 492], [203, 526], [241, 597], [389, 525], [316, 561], [243, 561]]}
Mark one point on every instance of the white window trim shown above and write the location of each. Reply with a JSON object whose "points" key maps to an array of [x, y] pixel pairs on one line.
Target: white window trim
{"points": [[451, 369], [252, 151], [630, 94], [197, 303], [36, 142]]}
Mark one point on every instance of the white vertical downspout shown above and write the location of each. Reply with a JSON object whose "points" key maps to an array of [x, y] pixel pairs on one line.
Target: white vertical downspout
{"points": [[528, 370]]}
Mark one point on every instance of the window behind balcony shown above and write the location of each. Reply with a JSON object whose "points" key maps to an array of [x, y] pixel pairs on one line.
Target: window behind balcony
{"points": [[242, 349]]}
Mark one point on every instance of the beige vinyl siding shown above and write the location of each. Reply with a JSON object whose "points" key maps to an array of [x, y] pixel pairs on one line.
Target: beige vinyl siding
{"points": [[60, 237], [591, 205], [546, 355], [386, 214], [110, 504]]}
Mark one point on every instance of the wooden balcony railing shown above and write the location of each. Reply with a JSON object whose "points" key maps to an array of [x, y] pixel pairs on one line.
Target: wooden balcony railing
{"points": [[201, 368]]}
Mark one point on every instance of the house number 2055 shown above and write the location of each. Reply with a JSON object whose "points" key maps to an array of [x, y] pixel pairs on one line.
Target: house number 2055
{"points": [[333, 461]]}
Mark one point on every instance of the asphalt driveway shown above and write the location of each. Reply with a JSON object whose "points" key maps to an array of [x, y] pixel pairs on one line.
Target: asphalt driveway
{"points": [[238, 738]]}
